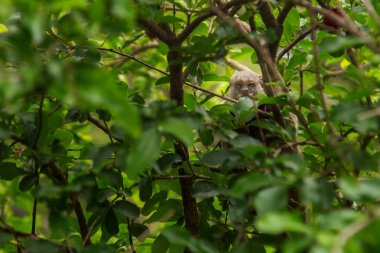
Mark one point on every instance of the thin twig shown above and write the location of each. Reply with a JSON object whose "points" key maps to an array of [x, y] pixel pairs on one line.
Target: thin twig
{"points": [[170, 177], [103, 128], [55, 109], [170, 8], [130, 236], [294, 144], [166, 74], [286, 49], [108, 131]]}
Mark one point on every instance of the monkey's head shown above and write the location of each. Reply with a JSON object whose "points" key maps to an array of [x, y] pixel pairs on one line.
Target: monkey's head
{"points": [[245, 84]]}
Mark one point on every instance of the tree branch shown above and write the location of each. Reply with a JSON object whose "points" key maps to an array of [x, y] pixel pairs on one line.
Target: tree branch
{"points": [[157, 31], [189, 29], [190, 209], [267, 16], [74, 201], [284, 12], [300, 37]]}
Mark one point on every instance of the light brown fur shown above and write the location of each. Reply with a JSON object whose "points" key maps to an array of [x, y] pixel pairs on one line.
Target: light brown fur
{"points": [[245, 84]]}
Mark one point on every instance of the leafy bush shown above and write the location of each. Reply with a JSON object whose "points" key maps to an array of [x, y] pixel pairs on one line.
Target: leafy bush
{"points": [[116, 135]]}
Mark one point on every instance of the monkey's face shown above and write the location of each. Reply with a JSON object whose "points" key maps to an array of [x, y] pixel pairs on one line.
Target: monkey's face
{"points": [[246, 89], [245, 84]]}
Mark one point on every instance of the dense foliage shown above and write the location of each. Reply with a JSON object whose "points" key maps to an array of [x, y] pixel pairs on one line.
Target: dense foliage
{"points": [[116, 134]]}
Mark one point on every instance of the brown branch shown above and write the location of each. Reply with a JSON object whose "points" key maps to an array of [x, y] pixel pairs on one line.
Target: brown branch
{"points": [[15, 233], [171, 8], [74, 201], [157, 31], [18, 234], [284, 12], [322, 4], [286, 49], [236, 65], [234, 10], [170, 177], [266, 14], [190, 210]]}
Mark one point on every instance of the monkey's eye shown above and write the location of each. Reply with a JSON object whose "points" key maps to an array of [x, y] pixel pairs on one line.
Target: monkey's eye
{"points": [[251, 84]]}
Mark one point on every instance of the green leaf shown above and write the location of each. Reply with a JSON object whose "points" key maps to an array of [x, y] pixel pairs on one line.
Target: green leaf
{"points": [[3, 28], [199, 77], [38, 246], [127, 209], [271, 199], [58, 225], [144, 153], [153, 201], [206, 136], [9, 171], [104, 114], [27, 182], [298, 58], [335, 44], [250, 183], [216, 78], [165, 211], [177, 235], [87, 54], [180, 129], [291, 23], [138, 229], [204, 189], [181, 236], [111, 223], [160, 245], [319, 193], [162, 80], [168, 159], [276, 223], [363, 190], [145, 189], [219, 157], [248, 247], [65, 137]]}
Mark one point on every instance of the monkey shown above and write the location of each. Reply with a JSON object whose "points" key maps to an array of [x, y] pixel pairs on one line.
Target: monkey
{"points": [[245, 83]]}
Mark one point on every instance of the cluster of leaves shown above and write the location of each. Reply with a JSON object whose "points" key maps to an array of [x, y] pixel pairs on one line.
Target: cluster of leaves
{"points": [[87, 130]]}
